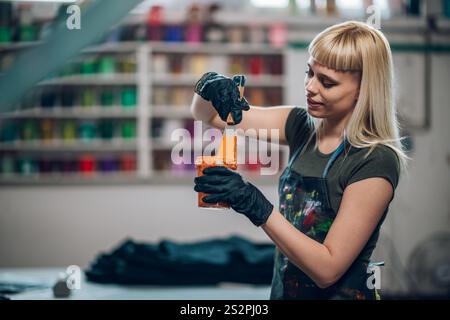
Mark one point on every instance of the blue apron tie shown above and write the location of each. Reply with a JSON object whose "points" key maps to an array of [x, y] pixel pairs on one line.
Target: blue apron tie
{"points": [[332, 159]]}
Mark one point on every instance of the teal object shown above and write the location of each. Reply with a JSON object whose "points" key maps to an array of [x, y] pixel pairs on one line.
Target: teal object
{"points": [[128, 98], [87, 131], [27, 167], [446, 8], [413, 7], [9, 132], [107, 129]]}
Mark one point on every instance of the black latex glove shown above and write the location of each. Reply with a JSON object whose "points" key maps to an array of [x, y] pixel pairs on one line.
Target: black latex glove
{"points": [[224, 95], [224, 185]]}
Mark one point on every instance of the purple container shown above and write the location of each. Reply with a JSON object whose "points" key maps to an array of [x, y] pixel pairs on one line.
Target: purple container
{"points": [[108, 165]]}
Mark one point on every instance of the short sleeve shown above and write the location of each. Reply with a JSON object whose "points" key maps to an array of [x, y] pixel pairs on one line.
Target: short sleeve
{"points": [[382, 162], [298, 127]]}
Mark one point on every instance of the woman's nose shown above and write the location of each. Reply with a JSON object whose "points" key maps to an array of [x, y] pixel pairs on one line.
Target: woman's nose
{"points": [[311, 86]]}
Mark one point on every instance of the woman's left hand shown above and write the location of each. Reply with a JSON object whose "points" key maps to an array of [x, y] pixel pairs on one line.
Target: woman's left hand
{"points": [[224, 185]]}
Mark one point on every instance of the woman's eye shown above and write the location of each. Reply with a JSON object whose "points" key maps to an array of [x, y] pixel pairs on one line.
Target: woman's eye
{"points": [[309, 73], [328, 85]]}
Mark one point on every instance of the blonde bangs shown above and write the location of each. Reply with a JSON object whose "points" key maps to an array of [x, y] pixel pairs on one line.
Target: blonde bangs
{"points": [[336, 48]]}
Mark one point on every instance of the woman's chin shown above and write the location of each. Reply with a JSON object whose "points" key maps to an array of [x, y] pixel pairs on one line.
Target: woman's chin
{"points": [[316, 113]]}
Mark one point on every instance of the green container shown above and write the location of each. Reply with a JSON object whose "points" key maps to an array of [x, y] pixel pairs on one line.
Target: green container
{"points": [[88, 67], [107, 98], [107, 65], [29, 130], [28, 33], [128, 98], [128, 129], [5, 34]]}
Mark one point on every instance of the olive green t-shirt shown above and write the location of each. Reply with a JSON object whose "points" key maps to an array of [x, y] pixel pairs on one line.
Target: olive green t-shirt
{"points": [[351, 166]]}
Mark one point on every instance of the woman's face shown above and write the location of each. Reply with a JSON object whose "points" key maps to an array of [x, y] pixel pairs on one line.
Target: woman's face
{"points": [[330, 94]]}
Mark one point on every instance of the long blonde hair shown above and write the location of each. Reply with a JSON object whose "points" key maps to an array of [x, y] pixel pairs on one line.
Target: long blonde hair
{"points": [[358, 47]]}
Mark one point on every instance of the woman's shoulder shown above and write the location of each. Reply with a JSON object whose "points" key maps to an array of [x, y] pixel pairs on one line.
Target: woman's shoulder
{"points": [[386, 155], [378, 161], [377, 153]]}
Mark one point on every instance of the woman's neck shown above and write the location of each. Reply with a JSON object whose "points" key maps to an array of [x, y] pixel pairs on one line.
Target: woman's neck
{"points": [[334, 128]]}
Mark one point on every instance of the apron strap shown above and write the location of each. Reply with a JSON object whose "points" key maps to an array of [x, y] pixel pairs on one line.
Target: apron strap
{"points": [[296, 153], [333, 158]]}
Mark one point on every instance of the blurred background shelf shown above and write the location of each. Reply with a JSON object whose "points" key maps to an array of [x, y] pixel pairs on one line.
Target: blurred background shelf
{"points": [[215, 48], [190, 80], [106, 79], [171, 111], [78, 112], [73, 146]]}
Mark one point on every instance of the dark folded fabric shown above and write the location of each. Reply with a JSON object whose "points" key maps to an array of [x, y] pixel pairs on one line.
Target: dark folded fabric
{"points": [[208, 262]]}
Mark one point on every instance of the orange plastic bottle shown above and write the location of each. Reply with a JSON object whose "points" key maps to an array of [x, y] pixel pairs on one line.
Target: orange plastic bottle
{"points": [[227, 157]]}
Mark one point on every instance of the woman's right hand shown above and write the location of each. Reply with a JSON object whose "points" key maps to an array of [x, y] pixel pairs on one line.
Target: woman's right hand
{"points": [[224, 95]]}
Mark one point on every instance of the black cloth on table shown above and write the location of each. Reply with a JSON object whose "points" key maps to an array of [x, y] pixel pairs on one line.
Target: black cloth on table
{"points": [[207, 262]]}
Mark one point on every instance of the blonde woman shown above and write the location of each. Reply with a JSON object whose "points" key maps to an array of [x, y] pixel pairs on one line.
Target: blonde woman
{"points": [[345, 160]]}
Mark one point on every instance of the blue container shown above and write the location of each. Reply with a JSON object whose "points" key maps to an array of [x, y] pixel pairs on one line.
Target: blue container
{"points": [[174, 34]]}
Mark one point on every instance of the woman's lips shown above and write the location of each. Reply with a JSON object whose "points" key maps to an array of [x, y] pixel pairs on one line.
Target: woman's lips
{"points": [[314, 104]]}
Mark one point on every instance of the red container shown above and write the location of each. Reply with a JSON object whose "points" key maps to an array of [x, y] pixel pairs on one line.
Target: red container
{"points": [[256, 65], [128, 163], [86, 164]]}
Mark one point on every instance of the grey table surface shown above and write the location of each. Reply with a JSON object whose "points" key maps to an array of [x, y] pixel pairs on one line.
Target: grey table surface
{"points": [[94, 291]]}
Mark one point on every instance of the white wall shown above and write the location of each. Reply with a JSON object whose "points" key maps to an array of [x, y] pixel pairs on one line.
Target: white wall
{"points": [[422, 205], [59, 226]]}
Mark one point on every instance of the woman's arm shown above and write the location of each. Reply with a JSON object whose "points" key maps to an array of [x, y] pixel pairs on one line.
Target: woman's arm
{"points": [[362, 207], [256, 118]]}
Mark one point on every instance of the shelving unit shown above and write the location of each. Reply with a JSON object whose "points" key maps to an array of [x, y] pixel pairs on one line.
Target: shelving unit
{"points": [[152, 151]]}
